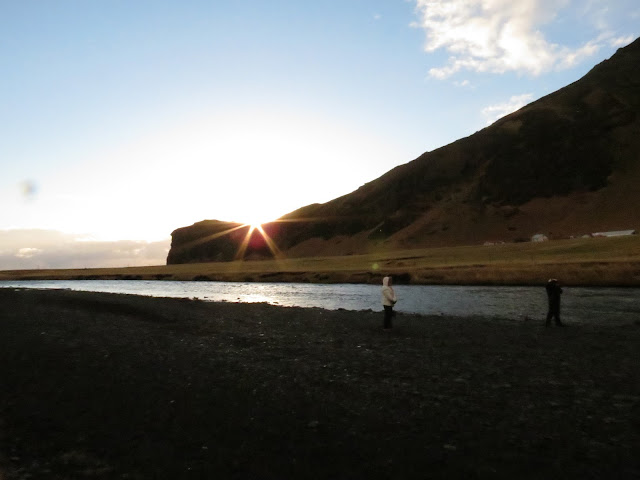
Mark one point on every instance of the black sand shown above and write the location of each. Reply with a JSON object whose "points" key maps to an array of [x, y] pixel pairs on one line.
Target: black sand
{"points": [[111, 386]]}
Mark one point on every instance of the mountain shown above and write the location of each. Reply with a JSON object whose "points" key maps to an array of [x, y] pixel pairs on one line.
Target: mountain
{"points": [[566, 164]]}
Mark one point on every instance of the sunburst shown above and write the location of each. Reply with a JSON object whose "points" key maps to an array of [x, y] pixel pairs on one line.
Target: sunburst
{"points": [[251, 228], [273, 248]]}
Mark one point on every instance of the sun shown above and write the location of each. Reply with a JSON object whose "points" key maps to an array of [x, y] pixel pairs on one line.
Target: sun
{"points": [[256, 227], [255, 222], [253, 225]]}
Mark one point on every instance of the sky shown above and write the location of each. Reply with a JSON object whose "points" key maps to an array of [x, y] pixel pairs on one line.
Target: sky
{"points": [[122, 120]]}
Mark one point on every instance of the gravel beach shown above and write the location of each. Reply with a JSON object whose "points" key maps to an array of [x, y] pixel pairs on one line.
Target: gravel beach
{"points": [[103, 386]]}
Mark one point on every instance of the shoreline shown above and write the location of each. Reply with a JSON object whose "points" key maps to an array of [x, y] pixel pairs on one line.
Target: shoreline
{"points": [[627, 277], [126, 386], [607, 306]]}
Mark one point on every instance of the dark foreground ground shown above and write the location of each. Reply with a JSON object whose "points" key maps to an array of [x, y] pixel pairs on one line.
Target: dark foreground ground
{"points": [[109, 386]]}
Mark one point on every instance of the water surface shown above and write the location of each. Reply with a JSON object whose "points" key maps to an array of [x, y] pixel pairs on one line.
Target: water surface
{"points": [[579, 305]]}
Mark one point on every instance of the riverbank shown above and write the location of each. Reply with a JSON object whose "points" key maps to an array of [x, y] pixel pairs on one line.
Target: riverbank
{"points": [[117, 386]]}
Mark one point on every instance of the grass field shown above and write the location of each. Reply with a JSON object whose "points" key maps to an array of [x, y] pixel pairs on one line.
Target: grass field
{"points": [[592, 261]]}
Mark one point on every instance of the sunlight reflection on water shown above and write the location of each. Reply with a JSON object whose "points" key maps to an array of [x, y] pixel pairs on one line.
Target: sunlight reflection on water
{"points": [[579, 305]]}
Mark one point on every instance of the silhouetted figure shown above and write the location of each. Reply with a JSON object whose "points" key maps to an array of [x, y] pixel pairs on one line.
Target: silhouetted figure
{"points": [[388, 301], [553, 293]]}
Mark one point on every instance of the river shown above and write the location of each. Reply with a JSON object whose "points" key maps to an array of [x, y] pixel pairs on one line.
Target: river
{"points": [[612, 306]]}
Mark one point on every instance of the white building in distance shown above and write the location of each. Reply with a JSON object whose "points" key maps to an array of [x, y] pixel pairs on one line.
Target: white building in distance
{"points": [[618, 233], [539, 237]]}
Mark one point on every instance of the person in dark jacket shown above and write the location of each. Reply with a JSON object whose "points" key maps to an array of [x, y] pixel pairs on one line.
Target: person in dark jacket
{"points": [[554, 290]]}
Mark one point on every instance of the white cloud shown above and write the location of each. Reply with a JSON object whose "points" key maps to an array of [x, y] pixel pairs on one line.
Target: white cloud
{"points": [[35, 248], [462, 84], [574, 57], [498, 36], [596, 11], [495, 112], [28, 252], [621, 41]]}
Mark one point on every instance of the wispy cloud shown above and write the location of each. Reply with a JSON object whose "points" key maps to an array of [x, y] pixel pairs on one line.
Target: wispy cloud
{"points": [[463, 84], [621, 41], [34, 248], [495, 112], [27, 252], [499, 36]]}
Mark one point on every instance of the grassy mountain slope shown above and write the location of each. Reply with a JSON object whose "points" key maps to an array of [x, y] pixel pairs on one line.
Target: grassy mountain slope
{"points": [[564, 165]]}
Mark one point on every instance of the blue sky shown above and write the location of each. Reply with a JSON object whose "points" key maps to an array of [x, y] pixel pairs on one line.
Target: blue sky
{"points": [[123, 120]]}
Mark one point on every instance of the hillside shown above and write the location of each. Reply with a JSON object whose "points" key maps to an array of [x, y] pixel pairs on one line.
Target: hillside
{"points": [[566, 164]]}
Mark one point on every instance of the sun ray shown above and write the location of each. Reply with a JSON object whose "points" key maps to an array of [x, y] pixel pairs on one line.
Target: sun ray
{"points": [[251, 228], [277, 253], [271, 245], [314, 219], [245, 242], [198, 241]]}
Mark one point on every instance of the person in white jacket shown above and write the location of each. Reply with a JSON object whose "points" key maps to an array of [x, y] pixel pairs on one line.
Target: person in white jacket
{"points": [[388, 301]]}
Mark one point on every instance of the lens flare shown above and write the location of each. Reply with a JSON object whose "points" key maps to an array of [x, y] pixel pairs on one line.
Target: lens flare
{"points": [[254, 231], [271, 245]]}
